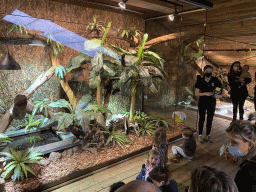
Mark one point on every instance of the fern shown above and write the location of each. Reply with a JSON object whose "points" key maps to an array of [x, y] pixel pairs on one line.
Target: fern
{"points": [[19, 163], [30, 122], [41, 105], [33, 139], [60, 71], [5, 139], [116, 137]]}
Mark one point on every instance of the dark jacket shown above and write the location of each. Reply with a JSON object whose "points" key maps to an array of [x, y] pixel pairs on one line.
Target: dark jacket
{"points": [[238, 90], [142, 174], [246, 176], [172, 187], [189, 146]]}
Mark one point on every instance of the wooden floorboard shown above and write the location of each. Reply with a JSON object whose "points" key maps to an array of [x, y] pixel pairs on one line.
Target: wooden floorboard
{"points": [[206, 154]]}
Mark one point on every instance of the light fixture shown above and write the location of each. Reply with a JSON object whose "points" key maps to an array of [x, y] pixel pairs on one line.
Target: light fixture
{"points": [[8, 63], [171, 17], [122, 4], [36, 41]]}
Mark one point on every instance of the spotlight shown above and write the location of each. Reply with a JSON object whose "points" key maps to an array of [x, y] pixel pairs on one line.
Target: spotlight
{"points": [[122, 4], [171, 17]]}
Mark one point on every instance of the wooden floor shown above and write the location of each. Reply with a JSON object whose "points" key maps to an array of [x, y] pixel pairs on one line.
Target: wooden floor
{"points": [[206, 154]]}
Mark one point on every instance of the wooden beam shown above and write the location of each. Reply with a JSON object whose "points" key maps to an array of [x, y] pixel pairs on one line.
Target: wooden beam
{"points": [[161, 3]]}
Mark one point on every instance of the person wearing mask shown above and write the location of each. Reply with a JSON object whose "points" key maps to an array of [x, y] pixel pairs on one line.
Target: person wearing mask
{"points": [[238, 88], [242, 145], [208, 88]]}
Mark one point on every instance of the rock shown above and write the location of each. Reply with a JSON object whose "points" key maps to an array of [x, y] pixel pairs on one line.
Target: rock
{"points": [[44, 162], [55, 157], [67, 153], [18, 188], [76, 149], [91, 150]]}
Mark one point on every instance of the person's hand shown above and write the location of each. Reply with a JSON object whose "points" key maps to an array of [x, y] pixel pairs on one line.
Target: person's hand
{"points": [[208, 93], [218, 96]]}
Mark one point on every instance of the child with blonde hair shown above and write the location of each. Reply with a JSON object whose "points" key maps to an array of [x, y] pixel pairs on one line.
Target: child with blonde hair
{"points": [[152, 161], [160, 143]]}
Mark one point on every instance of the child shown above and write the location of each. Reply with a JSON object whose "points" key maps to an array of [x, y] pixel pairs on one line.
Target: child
{"points": [[160, 178], [187, 149], [152, 161], [115, 186], [159, 142], [245, 73]]}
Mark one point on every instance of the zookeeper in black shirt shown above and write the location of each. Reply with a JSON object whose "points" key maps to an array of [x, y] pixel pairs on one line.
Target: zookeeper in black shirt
{"points": [[208, 88]]}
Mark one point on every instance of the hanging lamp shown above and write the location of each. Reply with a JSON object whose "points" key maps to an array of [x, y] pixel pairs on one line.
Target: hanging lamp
{"points": [[8, 63]]}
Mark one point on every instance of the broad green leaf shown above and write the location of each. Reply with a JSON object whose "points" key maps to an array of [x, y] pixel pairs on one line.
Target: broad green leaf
{"points": [[130, 60], [83, 119], [17, 173], [84, 102], [109, 67], [97, 60], [121, 50], [8, 171], [65, 121], [94, 81], [24, 169], [76, 62], [140, 52], [153, 88], [61, 103]]}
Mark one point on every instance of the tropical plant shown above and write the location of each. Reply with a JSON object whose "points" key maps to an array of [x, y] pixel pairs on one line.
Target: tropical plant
{"points": [[30, 123], [146, 126], [19, 163], [40, 106], [141, 68], [116, 137], [158, 121], [19, 28], [60, 71], [5, 139], [96, 25], [33, 139], [223, 77], [56, 46]]}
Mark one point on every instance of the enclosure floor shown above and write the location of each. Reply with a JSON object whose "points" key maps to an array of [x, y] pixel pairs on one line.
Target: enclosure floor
{"points": [[207, 154]]}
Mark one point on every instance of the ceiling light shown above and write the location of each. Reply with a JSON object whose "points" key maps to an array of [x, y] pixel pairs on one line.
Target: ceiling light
{"points": [[36, 41], [9, 63], [122, 4], [171, 17]]}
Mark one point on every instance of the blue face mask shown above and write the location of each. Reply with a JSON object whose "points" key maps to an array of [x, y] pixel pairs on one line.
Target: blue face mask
{"points": [[235, 151]]}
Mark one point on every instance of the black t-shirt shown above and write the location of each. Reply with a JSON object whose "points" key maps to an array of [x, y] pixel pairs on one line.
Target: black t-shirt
{"points": [[210, 86]]}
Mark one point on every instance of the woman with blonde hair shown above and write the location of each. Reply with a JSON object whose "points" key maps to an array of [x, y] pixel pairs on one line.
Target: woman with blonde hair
{"points": [[242, 143]]}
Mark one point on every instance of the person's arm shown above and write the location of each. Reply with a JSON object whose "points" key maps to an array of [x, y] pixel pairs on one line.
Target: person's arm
{"points": [[198, 94], [142, 173]]}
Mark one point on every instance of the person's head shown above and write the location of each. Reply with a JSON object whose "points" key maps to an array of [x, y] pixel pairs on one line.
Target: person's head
{"points": [[116, 185], [208, 70], [159, 137], [186, 132], [245, 68], [242, 139], [154, 157], [138, 186], [159, 176], [235, 67], [209, 179]]}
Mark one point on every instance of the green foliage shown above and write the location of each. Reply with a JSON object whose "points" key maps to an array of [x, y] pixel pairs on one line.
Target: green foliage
{"points": [[223, 77], [125, 113], [146, 127], [76, 62], [5, 139], [130, 32], [96, 25], [81, 114], [19, 28], [158, 121], [41, 105], [60, 71], [30, 123], [19, 163], [56, 46], [33, 139], [116, 137]]}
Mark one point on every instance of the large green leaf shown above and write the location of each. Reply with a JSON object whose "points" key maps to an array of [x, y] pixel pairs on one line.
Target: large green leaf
{"points": [[154, 71], [65, 120], [60, 71], [76, 62], [83, 119], [110, 68], [145, 76], [121, 50], [105, 33], [97, 60], [154, 56], [153, 88], [130, 60], [126, 75], [83, 102], [94, 80], [61, 103], [140, 52]]}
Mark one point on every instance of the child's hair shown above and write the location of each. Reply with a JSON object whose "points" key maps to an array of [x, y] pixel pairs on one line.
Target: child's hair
{"points": [[159, 137], [159, 174], [206, 178], [116, 185], [153, 152], [246, 66], [187, 132]]}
